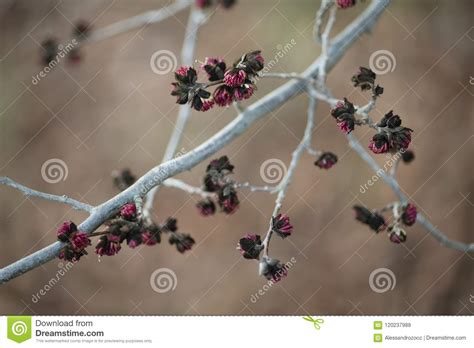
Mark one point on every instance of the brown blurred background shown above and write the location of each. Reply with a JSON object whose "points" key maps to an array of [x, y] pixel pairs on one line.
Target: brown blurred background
{"points": [[111, 111]]}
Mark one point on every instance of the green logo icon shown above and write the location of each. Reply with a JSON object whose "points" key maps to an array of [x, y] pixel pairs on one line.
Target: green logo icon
{"points": [[19, 328], [316, 322], [377, 325], [378, 338]]}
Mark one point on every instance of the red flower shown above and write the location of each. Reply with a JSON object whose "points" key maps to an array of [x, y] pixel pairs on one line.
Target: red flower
{"points": [[128, 211], [235, 77], [250, 246], [207, 105], [79, 241], [397, 235], [148, 238], [108, 245], [223, 95], [379, 143], [65, 230], [345, 126], [409, 214], [281, 225], [183, 70], [243, 92]]}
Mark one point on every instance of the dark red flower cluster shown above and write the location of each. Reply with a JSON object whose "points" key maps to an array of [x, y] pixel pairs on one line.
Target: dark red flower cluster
{"points": [[406, 216], [127, 227], [77, 242], [250, 246], [217, 181], [344, 113], [365, 79], [135, 231], [391, 135], [234, 83]]}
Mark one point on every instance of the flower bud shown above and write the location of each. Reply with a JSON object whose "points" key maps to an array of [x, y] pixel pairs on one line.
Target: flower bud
{"points": [[281, 225], [379, 143], [326, 160], [206, 207], [250, 246], [396, 234], [374, 220], [408, 156], [272, 269], [365, 78], [128, 211], [409, 214]]}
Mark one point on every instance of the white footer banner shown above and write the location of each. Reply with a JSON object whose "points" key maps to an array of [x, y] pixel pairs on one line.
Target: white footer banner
{"points": [[237, 331]]}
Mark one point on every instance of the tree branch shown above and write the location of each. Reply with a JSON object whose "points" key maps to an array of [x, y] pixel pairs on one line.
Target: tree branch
{"points": [[339, 45], [47, 196], [392, 182]]}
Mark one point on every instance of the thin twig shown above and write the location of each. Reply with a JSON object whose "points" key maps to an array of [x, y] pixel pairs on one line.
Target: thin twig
{"points": [[196, 17], [295, 157], [252, 188], [47, 196], [312, 151], [318, 23], [136, 22], [192, 190], [325, 46]]}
